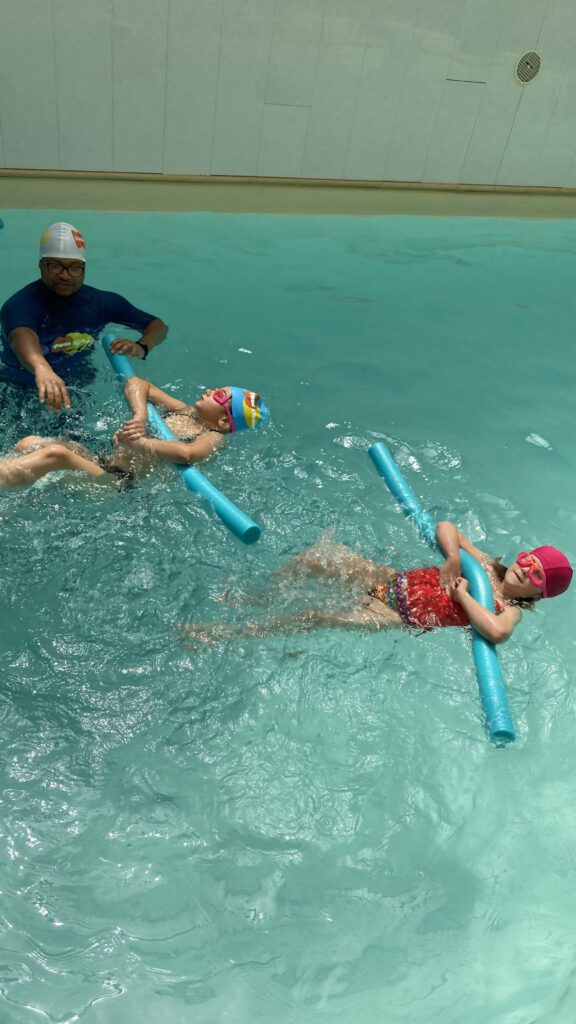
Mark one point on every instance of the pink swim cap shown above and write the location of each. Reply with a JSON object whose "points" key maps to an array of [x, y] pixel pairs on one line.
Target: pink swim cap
{"points": [[557, 570]]}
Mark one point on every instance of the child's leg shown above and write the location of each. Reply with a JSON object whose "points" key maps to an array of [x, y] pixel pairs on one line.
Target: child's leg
{"points": [[305, 622], [34, 441], [337, 562], [367, 619], [35, 464]]}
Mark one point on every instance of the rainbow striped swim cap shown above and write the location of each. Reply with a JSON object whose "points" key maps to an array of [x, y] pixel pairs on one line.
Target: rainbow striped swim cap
{"points": [[248, 410]]}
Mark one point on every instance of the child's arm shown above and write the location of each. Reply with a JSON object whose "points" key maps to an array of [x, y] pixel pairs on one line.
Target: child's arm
{"points": [[136, 392], [183, 453], [159, 397], [447, 537], [495, 628], [139, 391], [450, 541]]}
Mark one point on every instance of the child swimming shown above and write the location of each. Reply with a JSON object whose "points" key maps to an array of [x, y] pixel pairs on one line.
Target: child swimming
{"points": [[201, 430], [419, 599]]}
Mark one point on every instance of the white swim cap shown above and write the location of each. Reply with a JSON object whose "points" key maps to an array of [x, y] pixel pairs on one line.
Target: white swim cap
{"points": [[62, 241]]}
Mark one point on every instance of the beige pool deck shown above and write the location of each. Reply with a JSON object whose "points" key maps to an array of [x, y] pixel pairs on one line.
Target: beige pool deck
{"points": [[91, 190]]}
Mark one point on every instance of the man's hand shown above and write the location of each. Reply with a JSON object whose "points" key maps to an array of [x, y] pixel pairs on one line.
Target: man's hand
{"points": [[51, 389], [126, 347]]}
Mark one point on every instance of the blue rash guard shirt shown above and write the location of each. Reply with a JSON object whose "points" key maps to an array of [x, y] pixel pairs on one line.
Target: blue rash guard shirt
{"points": [[66, 327]]}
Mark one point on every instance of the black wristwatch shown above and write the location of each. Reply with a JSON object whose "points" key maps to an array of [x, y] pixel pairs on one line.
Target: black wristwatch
{"points": [[144, 345]]}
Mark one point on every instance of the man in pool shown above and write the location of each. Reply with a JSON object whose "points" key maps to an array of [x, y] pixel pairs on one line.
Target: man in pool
{"points": [[48, 329], [199, 429]]}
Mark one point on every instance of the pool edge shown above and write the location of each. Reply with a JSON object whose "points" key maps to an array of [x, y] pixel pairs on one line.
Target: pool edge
{"points": [[77, 190]]}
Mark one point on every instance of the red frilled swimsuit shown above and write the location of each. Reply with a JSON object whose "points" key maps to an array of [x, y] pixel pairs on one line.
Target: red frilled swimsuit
{"points": [[421, 601]]}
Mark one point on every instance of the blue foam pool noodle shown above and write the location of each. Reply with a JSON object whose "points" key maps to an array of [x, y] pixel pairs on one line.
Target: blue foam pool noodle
{"points": [[490, 683], [237, 521]]}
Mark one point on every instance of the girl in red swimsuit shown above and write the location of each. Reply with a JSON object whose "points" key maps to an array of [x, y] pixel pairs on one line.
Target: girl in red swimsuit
{"points": [[420, 599]]}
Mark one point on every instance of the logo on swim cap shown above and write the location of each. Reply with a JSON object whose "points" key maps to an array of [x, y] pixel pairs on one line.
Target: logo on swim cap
{"points": [[62, 241], [248, 409]]}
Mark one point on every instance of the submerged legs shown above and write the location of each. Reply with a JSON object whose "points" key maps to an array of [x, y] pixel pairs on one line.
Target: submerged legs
{"points": [[43, 456], [337, 562]]}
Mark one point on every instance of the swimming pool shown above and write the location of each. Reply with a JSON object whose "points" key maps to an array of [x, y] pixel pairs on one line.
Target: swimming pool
{"points": [[295, 829]]}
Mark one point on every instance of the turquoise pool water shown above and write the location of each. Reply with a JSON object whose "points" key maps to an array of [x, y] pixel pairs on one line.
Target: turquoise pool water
{"points": [[295, 829]]}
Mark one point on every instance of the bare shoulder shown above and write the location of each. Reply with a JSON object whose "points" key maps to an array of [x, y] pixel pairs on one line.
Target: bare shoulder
{"points": [[218, 440], [212, 438], [207, 443]]}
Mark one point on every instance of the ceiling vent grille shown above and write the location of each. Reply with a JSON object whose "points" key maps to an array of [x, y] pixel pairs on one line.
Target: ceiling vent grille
{"points": [[528, 67]]}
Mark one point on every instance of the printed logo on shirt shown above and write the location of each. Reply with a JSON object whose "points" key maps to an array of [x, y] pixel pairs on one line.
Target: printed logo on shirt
{"points": [[71, 344]]}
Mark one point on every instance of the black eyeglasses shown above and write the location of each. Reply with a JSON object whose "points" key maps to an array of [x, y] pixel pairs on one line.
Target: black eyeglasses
{"points": [[76, 270]]}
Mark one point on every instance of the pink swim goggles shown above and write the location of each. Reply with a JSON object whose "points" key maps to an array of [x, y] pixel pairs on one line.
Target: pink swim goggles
{"points": [[221, 396], [553, 572], [534, 570]]}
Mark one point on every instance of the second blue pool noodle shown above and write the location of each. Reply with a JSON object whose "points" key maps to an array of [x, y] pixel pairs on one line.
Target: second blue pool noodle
{"points": [[490, 683], [237, 521]]}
